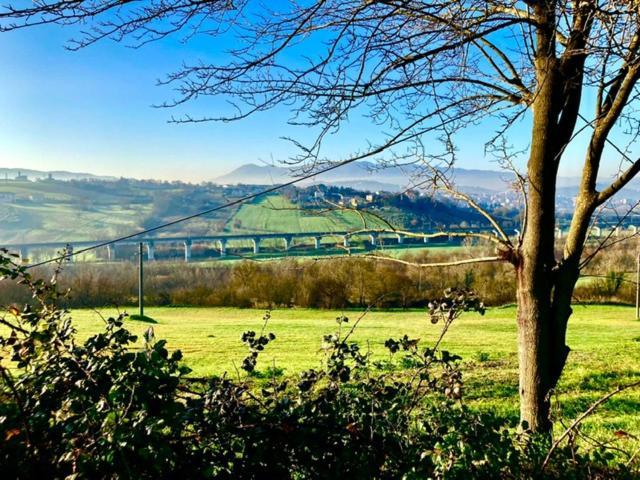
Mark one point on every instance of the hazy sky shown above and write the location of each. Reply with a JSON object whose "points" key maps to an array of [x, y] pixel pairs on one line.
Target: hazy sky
{"points": [[92, 111]]}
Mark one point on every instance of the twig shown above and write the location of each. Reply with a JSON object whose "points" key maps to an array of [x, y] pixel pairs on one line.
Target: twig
{"points": [[584, 415], [438, 264]]}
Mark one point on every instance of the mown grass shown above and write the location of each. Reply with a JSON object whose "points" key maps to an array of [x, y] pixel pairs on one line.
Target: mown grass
{"points": [[276, 213], [605, 343]]}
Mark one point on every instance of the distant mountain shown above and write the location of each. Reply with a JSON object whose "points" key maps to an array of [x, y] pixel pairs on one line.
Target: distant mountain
{"points": [[252, 174], [367, 176], [12, 173]]}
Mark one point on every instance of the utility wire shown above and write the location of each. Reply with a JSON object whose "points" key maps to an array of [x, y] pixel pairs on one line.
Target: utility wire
{"points": [[238, 201]]}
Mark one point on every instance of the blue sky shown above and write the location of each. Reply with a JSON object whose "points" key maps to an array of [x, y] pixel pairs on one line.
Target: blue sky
{"points": [[92, 111]]}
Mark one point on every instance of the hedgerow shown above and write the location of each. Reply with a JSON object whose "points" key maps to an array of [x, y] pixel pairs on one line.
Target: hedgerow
{"points": [[112, 406]]}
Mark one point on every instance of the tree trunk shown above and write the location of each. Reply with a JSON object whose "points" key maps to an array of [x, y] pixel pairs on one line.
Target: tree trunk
{"points": [[536, 277], [534, 353], [535, 266]]}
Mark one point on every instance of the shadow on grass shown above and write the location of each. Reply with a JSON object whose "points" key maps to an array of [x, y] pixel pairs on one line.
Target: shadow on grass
{"points": [[572, 407], [142, 318], [603, 381]]}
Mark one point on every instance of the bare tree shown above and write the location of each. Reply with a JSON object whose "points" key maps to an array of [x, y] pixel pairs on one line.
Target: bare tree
{"points": [[425, 70]]}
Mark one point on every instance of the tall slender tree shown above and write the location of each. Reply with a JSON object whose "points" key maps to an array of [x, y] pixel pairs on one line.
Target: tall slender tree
{"points": [[565, 70]]}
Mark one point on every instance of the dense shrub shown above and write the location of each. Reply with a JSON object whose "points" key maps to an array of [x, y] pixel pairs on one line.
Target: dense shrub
{"points": [[106, 409]]}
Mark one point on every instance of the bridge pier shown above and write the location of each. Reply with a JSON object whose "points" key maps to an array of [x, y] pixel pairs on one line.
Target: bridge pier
{"points": [[616, 232], [111, 253], [151, 251], [373, 238], [287, 243], [400, 238], [69, 251], [187, 250], [23, 254], [256, 245], [222, 244], [317, 241], [345, 241]]}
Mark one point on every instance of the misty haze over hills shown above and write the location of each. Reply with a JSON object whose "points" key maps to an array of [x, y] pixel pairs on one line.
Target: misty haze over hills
{"points": [[11, 173], [359, 175], [366, 176]]}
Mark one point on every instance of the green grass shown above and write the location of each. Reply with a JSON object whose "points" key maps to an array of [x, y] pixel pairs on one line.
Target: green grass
{"points": [[276, 213], [605, 343], [24, 223]]}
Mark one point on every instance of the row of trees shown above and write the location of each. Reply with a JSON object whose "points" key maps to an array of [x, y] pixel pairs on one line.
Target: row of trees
{"points": [[328, 283]]}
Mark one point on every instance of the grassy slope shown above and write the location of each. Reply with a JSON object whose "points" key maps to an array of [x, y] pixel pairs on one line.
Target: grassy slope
{"points": [[65, 208], [53, 222], [605, 344], [276, 213]]}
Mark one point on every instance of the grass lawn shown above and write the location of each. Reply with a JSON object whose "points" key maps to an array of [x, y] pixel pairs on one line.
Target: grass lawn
{"points": [[605, 343]]}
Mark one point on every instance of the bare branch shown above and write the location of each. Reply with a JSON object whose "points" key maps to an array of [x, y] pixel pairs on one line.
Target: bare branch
{"points": [[452, 263], [581, 418]]}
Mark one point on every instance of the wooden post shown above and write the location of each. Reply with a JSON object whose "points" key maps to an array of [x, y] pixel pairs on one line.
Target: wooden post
{"points": [[141, 279]]}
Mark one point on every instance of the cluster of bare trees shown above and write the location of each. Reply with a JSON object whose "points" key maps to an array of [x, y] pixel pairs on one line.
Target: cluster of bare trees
{"points": [[423, 71], [325, 283]]}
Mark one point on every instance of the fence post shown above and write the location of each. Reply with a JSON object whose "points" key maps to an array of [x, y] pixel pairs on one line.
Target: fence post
{"points": [[141, 279], [638, 287]]}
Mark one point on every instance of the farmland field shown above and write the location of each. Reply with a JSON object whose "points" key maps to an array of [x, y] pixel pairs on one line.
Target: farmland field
{"points": [[605, 342], [276, 213]]}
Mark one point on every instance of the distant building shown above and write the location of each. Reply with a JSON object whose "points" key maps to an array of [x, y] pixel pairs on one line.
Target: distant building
{"points": [[7, 197], [21, 178]]}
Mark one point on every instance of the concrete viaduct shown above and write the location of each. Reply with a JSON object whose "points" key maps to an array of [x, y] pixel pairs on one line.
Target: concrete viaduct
{"points": [[220, 242]]}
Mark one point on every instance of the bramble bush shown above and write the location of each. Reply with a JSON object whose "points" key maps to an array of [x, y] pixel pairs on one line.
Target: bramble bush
{"points": [[109, 408]]}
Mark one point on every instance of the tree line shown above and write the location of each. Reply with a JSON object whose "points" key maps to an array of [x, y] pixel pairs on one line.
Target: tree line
{"points": [[329, 283]]}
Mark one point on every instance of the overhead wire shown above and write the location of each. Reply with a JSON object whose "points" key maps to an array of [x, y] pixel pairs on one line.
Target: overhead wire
{"points": [[238, 201]]}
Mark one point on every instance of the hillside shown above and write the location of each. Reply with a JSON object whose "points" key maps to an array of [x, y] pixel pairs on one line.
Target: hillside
{"points": [[277, 213], [367, 176], [97, 210]]}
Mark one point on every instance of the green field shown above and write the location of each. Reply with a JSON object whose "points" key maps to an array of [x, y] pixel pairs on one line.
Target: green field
{"points": [[605, 342], [53, 222], [276, 213]]}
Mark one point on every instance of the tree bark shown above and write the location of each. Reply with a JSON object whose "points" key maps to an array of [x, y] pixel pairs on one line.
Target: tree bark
{"points": [[535, 264], [535, 279]]}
